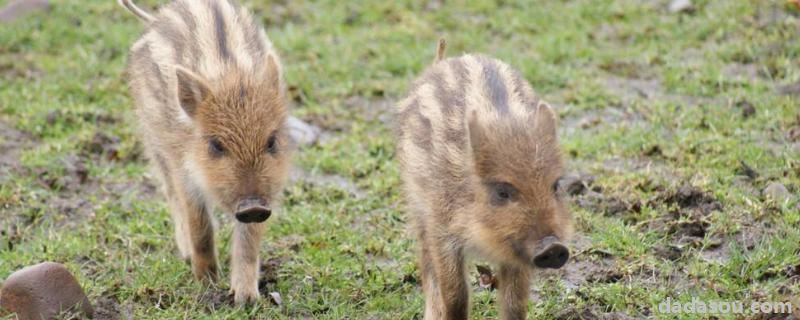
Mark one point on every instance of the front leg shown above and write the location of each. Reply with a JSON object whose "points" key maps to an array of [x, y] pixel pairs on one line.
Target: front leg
{"points": [[448, 269], [244, 259], [198, 223], [514, 286]]}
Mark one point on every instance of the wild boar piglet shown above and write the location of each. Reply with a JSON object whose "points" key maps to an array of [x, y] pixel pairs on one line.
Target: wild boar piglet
{"points": [[480, 163], [211, 107]]}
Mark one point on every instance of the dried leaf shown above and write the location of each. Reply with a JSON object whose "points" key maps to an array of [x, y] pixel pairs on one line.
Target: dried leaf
{"points": [[485, 278]]}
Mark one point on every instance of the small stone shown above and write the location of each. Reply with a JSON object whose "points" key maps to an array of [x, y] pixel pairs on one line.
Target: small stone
{"points": [[18, 8], [776, 191], [303, 133], [575, 183], [43, 291], [677, 6], [792, 89], [748, 110], [276, 298], [746, 170]]}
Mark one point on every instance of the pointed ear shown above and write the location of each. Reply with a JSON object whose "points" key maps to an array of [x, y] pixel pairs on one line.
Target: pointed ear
{"points": [[192, 90], [545, 120], [477, 141], [474, 128], [273, 72]]}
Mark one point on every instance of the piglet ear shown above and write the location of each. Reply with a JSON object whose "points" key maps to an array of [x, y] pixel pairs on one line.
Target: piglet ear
{"points": [[478, 142], [476, 135], [192, 90], [545, 120], [273, 72]]}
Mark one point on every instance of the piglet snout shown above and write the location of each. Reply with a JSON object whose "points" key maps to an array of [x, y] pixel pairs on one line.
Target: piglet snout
{"points": [[552, 255], [252, 211]]}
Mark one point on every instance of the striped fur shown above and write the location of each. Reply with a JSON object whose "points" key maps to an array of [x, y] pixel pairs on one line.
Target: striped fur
{"points": [[210, 100], [470, 126]]}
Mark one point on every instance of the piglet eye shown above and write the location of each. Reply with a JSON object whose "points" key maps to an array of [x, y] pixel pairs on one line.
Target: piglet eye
{"points": [[502, 193], [215, 147], [272, 144]]}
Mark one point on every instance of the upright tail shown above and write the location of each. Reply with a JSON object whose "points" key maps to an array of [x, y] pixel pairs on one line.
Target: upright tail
{"points": [[141, 14], [441, 49]]}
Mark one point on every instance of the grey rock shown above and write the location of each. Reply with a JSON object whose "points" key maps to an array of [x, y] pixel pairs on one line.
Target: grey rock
{"points": [[18, 8], [776, 191], [677, 6], [303, 133]]}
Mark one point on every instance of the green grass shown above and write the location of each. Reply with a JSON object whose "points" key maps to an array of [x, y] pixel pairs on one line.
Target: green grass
{"points": [[340, 256]]}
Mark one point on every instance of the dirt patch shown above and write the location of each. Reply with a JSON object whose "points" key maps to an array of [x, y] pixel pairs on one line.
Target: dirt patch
{"points": [[596, 119], [644, 165], [103, 145], [741, 71], [773, 14], [68, 204], [326, 180], [214, 299], [69, 179], [365, 109], [587, 265], [792, 89], [746, 107], [632, 90], [607, 205], [159, 298], [107, 308], [582, 191], [576, 183], [687, 217], [106, 147], [371, 108], [593, 312], [69, 117], [690, 197], [73, 175], [719, 248], [582, 270], [268, 279], [328, 122], [685, 221], [793, 130], [669, 252], [12, 142], [281, 13], [20, 70], [627, 69]]}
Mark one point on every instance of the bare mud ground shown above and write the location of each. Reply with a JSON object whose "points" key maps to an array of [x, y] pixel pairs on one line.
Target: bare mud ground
{"points": [[681, 132]]}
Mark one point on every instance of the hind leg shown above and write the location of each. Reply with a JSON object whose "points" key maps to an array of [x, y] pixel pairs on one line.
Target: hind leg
{"points": [[181, 230], [161, 170]]}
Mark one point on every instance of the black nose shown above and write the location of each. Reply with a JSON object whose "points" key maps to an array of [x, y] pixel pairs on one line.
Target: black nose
{"points": [[554, 256], [252, 210], [254, 214]]}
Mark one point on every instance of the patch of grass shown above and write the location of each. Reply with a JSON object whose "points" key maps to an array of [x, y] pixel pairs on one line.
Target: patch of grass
{"points": [[650, 102]]}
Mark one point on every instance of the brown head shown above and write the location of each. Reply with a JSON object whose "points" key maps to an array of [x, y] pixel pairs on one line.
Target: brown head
{"points": [[238, 149], [518, 216]]}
